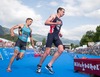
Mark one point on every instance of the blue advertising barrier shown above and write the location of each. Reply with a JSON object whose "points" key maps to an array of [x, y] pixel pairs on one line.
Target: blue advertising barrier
{"points": [[6, 53]]}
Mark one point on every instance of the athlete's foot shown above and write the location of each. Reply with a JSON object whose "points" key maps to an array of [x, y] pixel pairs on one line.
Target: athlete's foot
{"points": [[17, 58], [49, 69], [8, 69], [38, 68]]}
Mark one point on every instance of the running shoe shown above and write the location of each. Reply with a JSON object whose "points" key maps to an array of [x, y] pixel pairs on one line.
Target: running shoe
{"points": [[49, 69], [38, 68]]}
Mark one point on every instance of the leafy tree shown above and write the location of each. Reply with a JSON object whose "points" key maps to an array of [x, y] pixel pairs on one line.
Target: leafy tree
{"points": [[90, 34], [88, 37], [72, 45], [97, 34], [83, 40], [43, 41], [8, 37]]}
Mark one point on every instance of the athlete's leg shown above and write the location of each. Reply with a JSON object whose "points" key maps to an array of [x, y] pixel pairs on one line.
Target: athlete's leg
{"points": [[17, 57], [48, 47], [22, 49], [11, 60], [43, 57], [46, 53], [56, 55], [21, 55]]}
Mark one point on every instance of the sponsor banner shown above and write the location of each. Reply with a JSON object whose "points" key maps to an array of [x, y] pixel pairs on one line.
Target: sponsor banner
{"points": [[89, 66]]}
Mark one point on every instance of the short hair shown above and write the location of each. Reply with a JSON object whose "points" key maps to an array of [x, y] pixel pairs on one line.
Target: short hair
{"points": [[29, 19], [60, 8]]}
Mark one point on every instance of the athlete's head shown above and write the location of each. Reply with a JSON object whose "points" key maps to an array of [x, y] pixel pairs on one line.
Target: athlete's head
{"points": [[29, 21], [61, 11]]}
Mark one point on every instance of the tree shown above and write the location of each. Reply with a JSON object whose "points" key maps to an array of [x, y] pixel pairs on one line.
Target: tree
{"points": [[84, 40], [43, 41], [72, 45], [90, 34], [88, 37], [8, 37], [97, 34]]}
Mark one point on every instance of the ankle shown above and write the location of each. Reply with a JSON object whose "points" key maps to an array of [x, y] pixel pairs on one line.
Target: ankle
{"points": [[49, 65], [39, 65]]}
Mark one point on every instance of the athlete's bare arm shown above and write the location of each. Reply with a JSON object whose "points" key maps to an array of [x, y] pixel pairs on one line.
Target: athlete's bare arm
{"points": [[31, 39], [50, 19], [15, 27]]}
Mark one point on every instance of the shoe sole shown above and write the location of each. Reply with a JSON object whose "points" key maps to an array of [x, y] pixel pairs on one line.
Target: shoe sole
{"points": [[48, 70]]}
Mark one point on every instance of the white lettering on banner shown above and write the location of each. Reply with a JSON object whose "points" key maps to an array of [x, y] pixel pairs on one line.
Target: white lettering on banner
{"points": [[88, 65]]}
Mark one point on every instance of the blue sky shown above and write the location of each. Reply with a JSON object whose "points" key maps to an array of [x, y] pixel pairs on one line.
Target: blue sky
{"points": [[80, 15]]}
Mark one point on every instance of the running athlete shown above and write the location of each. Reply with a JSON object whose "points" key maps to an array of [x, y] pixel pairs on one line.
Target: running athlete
{"points": [[53, 37], [20, 46]]}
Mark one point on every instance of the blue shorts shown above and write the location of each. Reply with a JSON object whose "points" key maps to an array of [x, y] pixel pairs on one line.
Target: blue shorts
{"points": [[20, 46], [52, 38]]}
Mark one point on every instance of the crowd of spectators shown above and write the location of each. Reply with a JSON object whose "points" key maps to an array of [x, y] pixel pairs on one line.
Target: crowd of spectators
{"points": [[6, 44], [92, 50]]}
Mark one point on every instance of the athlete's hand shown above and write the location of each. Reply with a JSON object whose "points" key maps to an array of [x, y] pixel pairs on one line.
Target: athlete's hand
{"points": [[59, 22], [60, 35]]}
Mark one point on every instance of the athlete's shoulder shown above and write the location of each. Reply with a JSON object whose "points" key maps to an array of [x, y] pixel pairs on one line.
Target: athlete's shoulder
{"points": [[21, 25], [53, 15], [30, 29]]}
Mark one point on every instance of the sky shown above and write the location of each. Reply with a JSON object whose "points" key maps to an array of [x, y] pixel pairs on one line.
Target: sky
{"points": [[80, 15]]}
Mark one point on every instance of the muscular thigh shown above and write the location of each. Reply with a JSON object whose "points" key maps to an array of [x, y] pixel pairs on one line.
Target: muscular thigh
{"points": [[21, 54], [49, 40], [16, 52], [57, 42]]}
